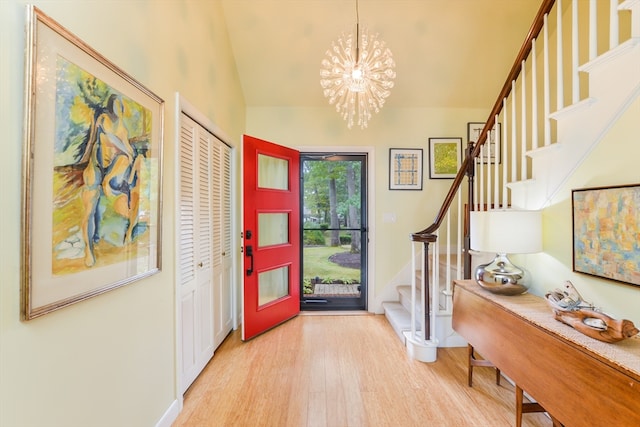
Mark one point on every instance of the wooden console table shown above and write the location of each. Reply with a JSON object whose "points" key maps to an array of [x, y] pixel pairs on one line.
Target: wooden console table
{"points": [[580, 381]]}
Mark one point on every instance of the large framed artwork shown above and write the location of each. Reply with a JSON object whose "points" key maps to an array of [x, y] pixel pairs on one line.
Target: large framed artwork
{"points": [[405, 169], [606, 232], [492, 152], [445, 157], [92, 172]]}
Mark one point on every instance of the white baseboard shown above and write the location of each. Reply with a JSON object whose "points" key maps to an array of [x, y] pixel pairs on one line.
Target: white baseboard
{"points": [[170, 415]]}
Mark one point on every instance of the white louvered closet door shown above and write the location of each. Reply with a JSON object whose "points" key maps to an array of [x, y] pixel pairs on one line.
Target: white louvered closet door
{"points": [[196, 232], [222, 260]]}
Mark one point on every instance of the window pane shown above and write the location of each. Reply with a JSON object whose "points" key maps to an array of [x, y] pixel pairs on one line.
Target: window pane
{"points": [[273, 229], [272, 285], [273, 172]]}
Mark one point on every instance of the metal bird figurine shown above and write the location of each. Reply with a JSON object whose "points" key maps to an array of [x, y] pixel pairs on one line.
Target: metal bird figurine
{"points": [[570, 308]]}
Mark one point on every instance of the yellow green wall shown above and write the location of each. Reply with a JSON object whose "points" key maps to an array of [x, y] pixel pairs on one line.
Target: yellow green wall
{"points": [[614, 161], [392, 128], [108, 361]]}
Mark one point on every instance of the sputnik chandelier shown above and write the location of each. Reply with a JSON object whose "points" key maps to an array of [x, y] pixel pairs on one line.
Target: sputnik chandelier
{"points": [[357, 75]]}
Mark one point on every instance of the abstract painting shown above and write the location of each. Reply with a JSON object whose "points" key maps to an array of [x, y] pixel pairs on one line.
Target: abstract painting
{"points": [[606, 232], [101, 176], [92, 160]]}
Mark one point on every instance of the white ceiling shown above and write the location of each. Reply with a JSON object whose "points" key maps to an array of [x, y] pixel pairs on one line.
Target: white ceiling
{"points": [[448, 53]]}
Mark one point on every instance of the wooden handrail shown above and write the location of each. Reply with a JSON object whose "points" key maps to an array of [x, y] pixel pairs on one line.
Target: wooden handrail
{"points": [[535, 29]]}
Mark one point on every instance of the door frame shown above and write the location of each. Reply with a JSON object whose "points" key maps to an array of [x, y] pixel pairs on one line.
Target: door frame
{"points": [[370, 153], [184, 106]]}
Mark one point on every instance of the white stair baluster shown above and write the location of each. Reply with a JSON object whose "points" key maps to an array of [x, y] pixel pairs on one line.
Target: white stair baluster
{"points": [[488, 167], [559, 59], [534, 97], [447, 267], [593, 30], [498, 139], [423, 288], [614, 24], [575, 76], [523, 126], [514, 136], [434, 304], [413, 289], [547, 85], [476, 203], [480, 174], [505, 145], [460, 245]]}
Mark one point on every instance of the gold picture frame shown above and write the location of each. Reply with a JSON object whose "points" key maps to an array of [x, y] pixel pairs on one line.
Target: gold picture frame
{"points": [[92, 172]]}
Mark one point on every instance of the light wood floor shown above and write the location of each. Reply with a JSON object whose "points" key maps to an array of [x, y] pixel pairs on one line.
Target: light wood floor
{"points": [[334, 371]]}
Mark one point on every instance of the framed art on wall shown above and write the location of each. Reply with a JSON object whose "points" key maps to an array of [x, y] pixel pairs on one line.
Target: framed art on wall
{"points": [[445, 157], [492, 152], [92, 168], [606, 231], [405, 169]]}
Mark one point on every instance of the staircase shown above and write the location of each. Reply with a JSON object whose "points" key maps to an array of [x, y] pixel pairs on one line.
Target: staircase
{"points": [[398, 313], [553, 110]]}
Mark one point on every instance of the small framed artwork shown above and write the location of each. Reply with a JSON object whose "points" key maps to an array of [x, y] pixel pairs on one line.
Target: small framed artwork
{"points": [[445, 157], [92, 173], [405, 169], [492, 149], [606, 225]]}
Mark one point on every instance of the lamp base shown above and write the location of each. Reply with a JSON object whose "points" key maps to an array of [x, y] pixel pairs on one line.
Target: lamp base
{"points": [[500, 276]]}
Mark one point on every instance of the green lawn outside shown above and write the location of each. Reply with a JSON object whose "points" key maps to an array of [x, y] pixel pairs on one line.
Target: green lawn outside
{"points": [[316, 263]]}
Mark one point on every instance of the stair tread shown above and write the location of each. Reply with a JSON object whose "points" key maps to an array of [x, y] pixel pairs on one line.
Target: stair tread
{"points": [[399, 318], [400, 314]]}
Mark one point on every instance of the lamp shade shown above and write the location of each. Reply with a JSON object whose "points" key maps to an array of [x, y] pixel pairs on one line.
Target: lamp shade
{"points": [[506, 231]]}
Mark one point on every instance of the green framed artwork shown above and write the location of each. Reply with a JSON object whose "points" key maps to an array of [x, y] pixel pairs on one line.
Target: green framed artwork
{"points": [[445, 157], [92, 168]]}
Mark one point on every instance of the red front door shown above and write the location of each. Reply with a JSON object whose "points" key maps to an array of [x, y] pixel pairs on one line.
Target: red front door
{"points": [[271, 197]]}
